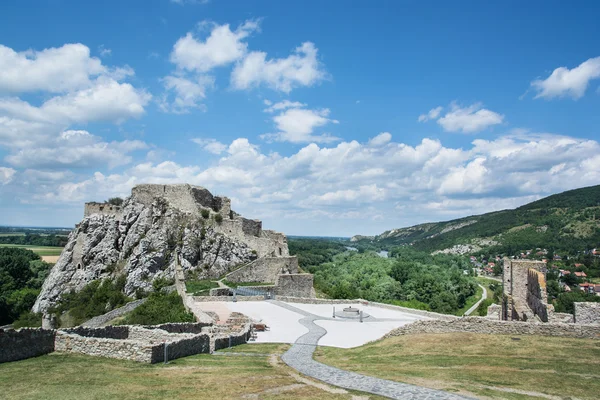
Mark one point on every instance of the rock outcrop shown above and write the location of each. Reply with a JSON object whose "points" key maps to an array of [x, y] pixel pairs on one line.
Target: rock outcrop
{"points": [[156, 226]]}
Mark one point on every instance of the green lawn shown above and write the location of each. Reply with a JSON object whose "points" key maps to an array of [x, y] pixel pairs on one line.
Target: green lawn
{"points": [[68, 376], [200, 287], [480, 365], [41, 250]]}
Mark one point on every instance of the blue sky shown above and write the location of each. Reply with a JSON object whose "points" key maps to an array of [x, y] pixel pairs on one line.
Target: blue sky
{"points": [[321, 118]]}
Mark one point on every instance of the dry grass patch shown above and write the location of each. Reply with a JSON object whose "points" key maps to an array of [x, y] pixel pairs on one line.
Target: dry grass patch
{"points": [[483, 365], [68, 376]]}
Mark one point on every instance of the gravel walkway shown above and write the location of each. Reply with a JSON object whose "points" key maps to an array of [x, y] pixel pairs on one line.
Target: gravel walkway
{"points": [[300, 357], [483, 297]]}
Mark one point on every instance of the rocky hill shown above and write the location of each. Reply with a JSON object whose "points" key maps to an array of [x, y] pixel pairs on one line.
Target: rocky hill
{"points": [[143, 237], [568, 221]]}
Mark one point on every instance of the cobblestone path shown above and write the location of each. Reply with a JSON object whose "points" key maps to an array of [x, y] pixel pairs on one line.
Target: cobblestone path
{"points": [[300, 357]]}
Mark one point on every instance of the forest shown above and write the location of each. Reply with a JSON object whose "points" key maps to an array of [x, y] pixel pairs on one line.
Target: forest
{"points": [[408, 277], [22, 274]]}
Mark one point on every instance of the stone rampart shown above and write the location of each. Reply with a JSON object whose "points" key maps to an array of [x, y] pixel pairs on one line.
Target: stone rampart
{"points": [[537, 299], [102, 320], [295, 285], [488, 326], [233, 339], [101, 347], [101, 208], [197, 344], [220, 292], [587, 313], [264, 269], [181, 327], [515, 285], [25, 343]]}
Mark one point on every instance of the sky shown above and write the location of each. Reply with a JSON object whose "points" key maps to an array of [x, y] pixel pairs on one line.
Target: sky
{"points": [[329, 118]]}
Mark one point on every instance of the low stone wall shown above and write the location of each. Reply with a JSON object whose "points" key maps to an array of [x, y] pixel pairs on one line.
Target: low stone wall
{"points": [[112, 348], [296, 285], [181, 327], [102, 320], [25, 343], [107, 332], [228, 298], [240, 337], [488, 326], [197, 344], [587, 313]]}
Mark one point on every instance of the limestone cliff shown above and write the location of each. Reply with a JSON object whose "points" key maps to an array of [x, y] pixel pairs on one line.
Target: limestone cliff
{"points": [[144, 236]]}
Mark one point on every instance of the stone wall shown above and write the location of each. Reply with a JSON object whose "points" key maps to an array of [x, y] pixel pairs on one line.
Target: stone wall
{"points": [[252, 227], [107, 332], [515, 284], [587, 313], [220, 292], [197, 344], [537, 299], [295, 285], [25, 343], [112, 348], [101, 208], [264, 270], [233, 339], [102, 320], [488, 326], [181, 327]]}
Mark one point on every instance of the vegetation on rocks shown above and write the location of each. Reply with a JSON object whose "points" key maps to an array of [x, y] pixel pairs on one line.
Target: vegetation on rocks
{"points": [[96, 298], [160, 308]]}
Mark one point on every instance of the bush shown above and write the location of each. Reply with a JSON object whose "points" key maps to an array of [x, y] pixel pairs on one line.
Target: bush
{"points": [[96, 298], [28, 320], [163, 282], [219, 218], [115, 201], [160, 308], [205, 213], [483, 306]]}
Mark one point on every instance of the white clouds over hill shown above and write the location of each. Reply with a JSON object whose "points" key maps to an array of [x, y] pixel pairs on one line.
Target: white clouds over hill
{"points": [[368, 181]]}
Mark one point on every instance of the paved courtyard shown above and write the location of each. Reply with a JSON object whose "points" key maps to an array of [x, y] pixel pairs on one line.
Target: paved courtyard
{"points": [[285, 326]]}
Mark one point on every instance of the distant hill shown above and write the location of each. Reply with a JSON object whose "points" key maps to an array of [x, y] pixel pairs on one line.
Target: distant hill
{"points": [[568, 222]]}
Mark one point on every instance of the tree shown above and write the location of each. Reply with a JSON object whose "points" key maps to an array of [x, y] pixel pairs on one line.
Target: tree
{"points": [[115, 201]]}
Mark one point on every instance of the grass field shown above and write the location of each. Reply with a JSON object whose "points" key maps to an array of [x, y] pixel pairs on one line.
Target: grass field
{"points": [[67, 376], [492, 366], [200, 287], [41, 250]]}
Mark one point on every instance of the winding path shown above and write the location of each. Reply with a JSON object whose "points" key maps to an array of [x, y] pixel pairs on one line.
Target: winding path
{"points": [[483, 297], [300, 357]]}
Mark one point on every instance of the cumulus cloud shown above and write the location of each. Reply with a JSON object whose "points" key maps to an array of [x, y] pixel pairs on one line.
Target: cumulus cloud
{"points": [[54, 70], [211, 145], [282, 74], [76, 89], [432, 114], [222, 47], [6, 175], [470, 119], [565, 82], [76, 149], [296, 125], [187, 93], [282, 105]]}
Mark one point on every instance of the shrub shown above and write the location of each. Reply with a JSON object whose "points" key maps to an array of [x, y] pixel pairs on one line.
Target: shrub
{"points": [[115, 201], [29, 320], [219, 218], [483, 306], [160, 308], [162, 282], [205, 213]]}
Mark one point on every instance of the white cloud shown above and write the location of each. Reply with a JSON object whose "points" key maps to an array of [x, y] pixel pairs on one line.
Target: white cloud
{"points": [[104, 52], [568, 82], [282, 74], [211, 145], [222, 47], [282, 105], [76, 149], [470, 119], [432, 114], [187, 94], [184, 2], [54, 70], [296, 125], [6, 175], [403, 184], [381, 139]]}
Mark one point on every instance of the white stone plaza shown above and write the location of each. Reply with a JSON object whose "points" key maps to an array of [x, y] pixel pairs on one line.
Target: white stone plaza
{"points": [[284, 325]]}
